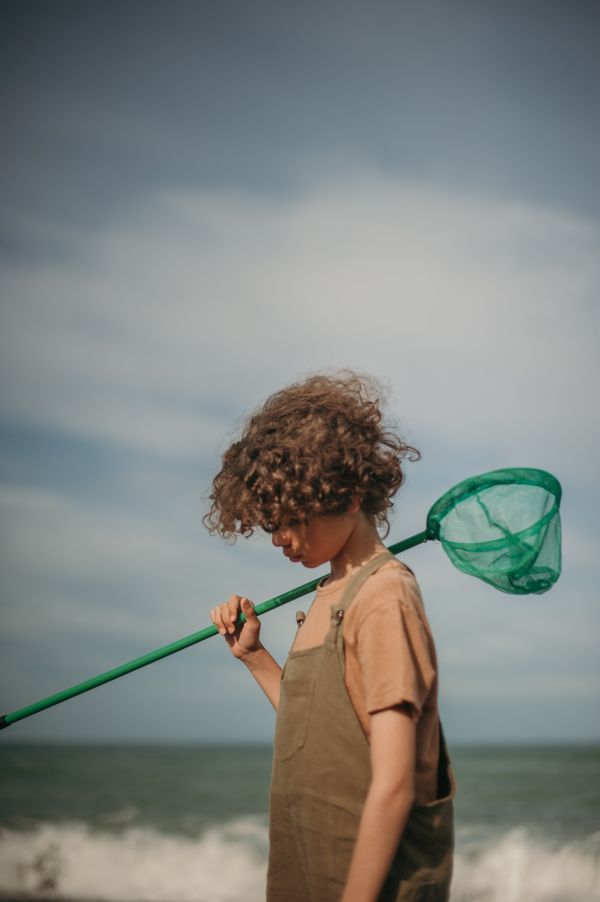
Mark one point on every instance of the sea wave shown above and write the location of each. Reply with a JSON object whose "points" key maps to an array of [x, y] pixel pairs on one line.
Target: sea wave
{"points": [[227, 862], [518, 866], [74, 861]]}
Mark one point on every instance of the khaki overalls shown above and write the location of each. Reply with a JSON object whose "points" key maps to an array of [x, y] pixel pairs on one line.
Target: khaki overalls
{"points": [[321, 774]]}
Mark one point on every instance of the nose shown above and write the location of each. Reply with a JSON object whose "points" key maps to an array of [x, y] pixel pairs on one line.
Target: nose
{"points": [[280, 538]]}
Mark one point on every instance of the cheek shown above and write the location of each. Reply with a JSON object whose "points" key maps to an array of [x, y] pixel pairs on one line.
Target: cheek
{"points": [[324, 540]]}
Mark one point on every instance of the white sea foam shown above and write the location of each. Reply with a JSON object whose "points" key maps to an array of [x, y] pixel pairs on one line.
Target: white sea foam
{"points": [[72, 861], [228, 863], [517, 867]]}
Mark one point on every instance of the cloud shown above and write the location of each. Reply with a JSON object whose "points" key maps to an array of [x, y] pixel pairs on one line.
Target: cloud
{"points": [[158, 331], [51, 534], [93, 570], [156, 334], [530, 687]]}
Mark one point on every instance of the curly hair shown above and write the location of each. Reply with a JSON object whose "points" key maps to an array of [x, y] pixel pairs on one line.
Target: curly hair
{"points": [[311, 449]]}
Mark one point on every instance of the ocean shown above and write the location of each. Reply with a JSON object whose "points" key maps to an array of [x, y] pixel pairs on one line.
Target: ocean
{"points": [[189, 823]]}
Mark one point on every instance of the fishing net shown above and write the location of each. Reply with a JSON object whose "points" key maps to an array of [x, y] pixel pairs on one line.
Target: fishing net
{"points": [[504, 528]]}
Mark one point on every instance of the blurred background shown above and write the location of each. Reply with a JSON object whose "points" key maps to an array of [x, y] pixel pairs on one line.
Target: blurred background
{"points": [[201, 202]]}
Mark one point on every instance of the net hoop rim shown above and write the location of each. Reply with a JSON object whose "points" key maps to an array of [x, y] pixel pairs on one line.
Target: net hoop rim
{"points": [[507, 476]]}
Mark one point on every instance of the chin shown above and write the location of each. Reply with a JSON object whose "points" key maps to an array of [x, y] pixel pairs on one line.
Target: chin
{"points": [[312, 565]]}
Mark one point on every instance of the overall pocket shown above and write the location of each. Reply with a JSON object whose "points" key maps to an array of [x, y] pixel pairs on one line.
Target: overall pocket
{"points": [[293, 716]]}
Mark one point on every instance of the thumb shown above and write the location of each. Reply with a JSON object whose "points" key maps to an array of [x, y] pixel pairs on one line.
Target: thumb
{"points": [[248, 609]]}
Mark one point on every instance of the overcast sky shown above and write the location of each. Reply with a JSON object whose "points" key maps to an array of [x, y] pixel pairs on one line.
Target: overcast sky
{"points": [[202, 202]]}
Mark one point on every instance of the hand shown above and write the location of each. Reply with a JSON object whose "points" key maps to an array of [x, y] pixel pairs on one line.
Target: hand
{"points": [[242, 638]]}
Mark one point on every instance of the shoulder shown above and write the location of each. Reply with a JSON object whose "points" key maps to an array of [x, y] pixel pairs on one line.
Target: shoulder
{"points": [[395, 585], [393, 591]]}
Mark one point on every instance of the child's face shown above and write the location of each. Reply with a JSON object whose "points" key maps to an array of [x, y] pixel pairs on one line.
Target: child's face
{"points": [[316, 542]]}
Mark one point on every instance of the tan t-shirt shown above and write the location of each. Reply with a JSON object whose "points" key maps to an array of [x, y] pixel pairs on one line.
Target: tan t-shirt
{"points": [[390, 657]]}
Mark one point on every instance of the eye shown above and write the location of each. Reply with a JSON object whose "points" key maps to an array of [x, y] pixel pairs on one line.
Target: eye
{"points": [[270, 528]]}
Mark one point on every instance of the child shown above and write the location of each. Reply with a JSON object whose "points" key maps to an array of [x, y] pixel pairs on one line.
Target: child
{"points": [[361, 792]]}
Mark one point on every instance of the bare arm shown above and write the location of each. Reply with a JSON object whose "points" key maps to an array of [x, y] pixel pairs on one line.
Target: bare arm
{"points": [[244, 642], [388, 803]]}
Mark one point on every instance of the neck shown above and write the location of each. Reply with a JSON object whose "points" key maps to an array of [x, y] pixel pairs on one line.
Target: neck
{"points": [[362, 544]]}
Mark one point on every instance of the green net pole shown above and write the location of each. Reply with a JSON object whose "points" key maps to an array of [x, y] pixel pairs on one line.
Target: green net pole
{"points": [[7, 719]]}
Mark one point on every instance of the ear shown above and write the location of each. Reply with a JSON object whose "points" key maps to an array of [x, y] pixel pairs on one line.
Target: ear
{"points": [[354, 506]]}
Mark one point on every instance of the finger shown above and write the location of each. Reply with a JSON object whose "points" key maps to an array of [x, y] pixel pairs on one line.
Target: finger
{"points": [[217, 619], [230, 611]]}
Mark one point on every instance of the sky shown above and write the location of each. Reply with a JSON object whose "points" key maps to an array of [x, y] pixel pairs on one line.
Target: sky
{"points": [[202, 202]]}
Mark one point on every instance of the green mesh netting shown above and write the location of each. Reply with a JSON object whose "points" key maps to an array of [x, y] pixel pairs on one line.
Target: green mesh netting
{"points": [[504, 528]]}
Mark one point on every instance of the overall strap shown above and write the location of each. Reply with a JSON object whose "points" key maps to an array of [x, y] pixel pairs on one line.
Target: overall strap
{"points": [[360, 577], [334, 640]]}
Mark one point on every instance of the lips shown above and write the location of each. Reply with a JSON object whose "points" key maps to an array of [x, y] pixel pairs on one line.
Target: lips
{"points": [[292, 557]]}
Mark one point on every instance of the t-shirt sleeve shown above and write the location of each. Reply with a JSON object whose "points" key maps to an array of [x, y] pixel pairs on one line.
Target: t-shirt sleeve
{"points": [[396, 658]]}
